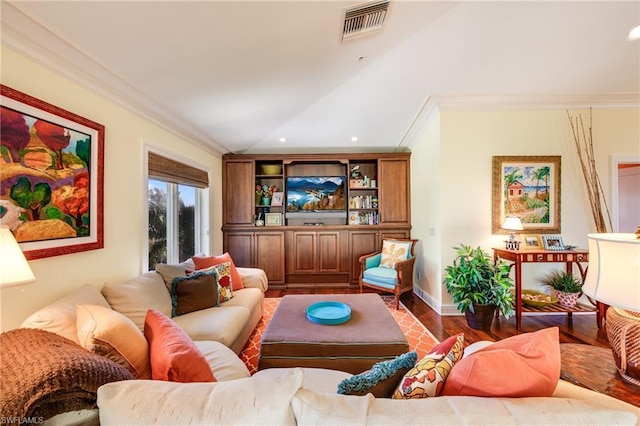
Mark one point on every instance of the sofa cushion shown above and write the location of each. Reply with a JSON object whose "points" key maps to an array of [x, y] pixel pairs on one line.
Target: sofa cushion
{"points": [[133, 298], [382, 379], [524, 365], [224, 363], [170, 272], [254, 278], [60, 316], [393, 252], [314, 408], [317, 379], [203, 262], [428, 377], [106, 332], [221, 324], [173, 355], [193, 293], [249, 401]]}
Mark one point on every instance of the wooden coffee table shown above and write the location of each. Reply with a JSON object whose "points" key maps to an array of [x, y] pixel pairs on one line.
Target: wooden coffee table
{"points": [[371, 335], [592, 367]]}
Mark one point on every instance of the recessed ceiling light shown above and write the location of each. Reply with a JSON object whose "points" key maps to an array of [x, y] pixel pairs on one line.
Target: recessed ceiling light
{"points": [[634, 34], [282, 140], [354, 139]]}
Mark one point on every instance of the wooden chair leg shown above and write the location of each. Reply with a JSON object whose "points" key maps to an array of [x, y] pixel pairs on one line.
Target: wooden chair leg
{"points": [[397, 301]]}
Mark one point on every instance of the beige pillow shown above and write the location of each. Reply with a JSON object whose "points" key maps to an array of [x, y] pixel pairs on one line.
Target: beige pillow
{"points": [[60, 316], [135, 297], [394, 251], [170, 272], [106, 332]]}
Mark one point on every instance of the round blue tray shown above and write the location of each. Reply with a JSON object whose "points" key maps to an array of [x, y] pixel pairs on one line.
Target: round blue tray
{"points": [[328, 313]]}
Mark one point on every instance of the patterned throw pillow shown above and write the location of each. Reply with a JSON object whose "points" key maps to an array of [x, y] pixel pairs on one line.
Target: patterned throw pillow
{"points": [[394, 251], [223, 277], [193, 293], [381, 380], [427, 378], [205, 262]]}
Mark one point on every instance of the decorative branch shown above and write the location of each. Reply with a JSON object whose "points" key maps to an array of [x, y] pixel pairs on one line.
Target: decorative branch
{"points": [[584, 147]]}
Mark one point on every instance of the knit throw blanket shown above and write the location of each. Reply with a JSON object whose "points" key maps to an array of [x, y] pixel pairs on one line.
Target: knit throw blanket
{"points": [[43, 374]]}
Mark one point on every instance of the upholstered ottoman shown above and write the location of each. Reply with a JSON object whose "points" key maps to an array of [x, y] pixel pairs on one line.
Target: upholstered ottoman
{"points": [[292, 340]]}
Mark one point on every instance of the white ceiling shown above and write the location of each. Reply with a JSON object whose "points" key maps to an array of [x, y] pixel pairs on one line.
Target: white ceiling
{"points": [[238, 75]]}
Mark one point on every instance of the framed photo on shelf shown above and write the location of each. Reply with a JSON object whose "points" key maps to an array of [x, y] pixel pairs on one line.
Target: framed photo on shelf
{"points": [[273, 219], [527, 187], [276, 199], [553, 242], [531, 242]]}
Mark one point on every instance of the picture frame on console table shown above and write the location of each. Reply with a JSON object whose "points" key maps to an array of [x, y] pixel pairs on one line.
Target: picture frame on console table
{"points": [[531, 242], [51, 185], [553, 242], [527, 187]]}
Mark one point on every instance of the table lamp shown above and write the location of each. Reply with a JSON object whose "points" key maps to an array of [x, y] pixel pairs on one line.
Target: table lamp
{"points": [[512, 224], [614, 279], [14, 269]]}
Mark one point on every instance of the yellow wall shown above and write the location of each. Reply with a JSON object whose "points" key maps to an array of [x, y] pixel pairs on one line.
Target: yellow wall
{"points": [[124, 191], [468, 140]]}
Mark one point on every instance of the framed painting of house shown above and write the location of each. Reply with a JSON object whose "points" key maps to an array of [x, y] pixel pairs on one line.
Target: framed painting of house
{"points": [[51, 177], [527, 187]]}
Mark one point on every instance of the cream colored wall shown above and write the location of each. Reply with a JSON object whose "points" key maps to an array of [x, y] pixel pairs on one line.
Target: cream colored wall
{"points": [[469, 139], [124, 191], [425, 215]]}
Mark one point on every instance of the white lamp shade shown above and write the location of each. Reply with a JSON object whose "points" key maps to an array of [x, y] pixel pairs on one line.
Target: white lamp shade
{"points": [[14, 269], [613, 277], [512, 224]]}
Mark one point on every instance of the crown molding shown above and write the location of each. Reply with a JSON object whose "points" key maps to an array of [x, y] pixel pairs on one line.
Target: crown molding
{"points": [[485, 102], [423, 119], [29, 38]]}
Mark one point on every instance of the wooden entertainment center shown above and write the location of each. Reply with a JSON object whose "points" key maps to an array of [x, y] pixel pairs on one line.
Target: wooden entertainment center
{"points": [[302, 248]]}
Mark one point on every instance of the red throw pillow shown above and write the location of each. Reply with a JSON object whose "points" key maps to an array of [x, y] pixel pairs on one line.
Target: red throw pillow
{"points": [[207, 262], [524, 365], [173, 355]]}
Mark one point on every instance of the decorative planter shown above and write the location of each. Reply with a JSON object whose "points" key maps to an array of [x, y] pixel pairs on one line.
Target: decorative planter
{"points": [[482, 318], [567, 299], [258, 198], [266, 201]]}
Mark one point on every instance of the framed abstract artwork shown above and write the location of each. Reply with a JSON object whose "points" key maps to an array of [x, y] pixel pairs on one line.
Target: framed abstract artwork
{"points": [[51, 177], [527, 187]]}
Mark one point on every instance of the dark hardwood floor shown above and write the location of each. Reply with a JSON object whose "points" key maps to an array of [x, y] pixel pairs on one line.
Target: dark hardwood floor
{"points": [[581, 329]]}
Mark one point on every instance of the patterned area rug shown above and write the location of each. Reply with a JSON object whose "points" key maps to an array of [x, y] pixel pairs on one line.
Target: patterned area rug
{"points": [[420, 339]]}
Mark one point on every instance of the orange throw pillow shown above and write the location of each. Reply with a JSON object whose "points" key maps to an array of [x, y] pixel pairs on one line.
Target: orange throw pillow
{"points": [[207, 262], [520, 366], [173, 355]]}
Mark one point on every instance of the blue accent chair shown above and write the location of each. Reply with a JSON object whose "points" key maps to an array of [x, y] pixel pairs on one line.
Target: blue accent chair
{"points": [[396, 281]]}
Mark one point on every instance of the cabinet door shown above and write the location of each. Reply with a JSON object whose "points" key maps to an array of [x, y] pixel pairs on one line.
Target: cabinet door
{"points": [[398, 233], [240, 247], [361, 243], [301, 252], [328, 251], [393, 181], [269, 255], [238, 193]]}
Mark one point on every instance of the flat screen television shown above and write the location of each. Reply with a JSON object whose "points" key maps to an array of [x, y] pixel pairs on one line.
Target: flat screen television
{"points": [[316, 194]]}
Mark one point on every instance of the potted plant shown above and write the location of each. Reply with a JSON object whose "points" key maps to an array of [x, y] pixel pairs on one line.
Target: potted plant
{"points": [[566, 286], [479, 286]]}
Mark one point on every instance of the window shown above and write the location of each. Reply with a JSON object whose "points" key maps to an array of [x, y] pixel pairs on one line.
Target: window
{"points": [[177, 213]]}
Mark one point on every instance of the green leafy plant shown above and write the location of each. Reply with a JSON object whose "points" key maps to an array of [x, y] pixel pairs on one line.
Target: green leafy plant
{"points": [[562, 281], [475, 278]]}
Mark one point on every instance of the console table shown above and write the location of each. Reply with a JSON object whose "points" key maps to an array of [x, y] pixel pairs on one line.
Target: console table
{"points": [[568, 257], [592, 367]]}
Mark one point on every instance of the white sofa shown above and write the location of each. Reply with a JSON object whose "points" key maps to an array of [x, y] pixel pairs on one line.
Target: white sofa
{"points": [[231, 323], [307, 396]]}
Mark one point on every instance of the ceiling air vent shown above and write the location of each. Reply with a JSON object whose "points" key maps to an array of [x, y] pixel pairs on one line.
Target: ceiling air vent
{"points": [[363, 20]]}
